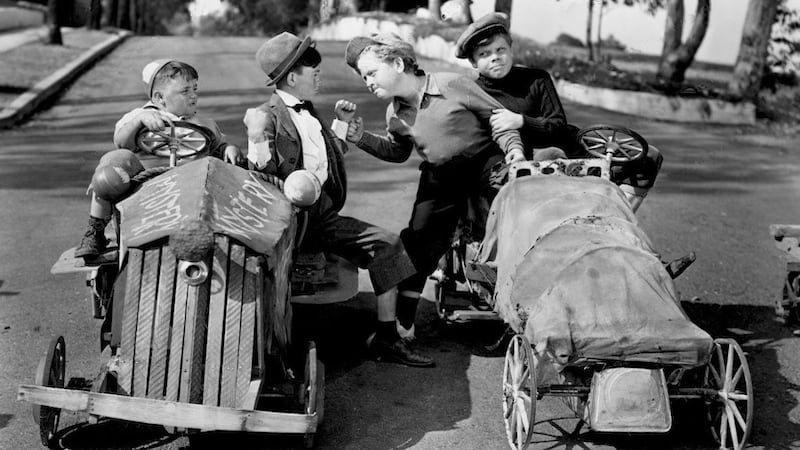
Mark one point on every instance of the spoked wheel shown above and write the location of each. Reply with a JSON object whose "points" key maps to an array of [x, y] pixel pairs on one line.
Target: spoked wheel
{"points": [[730, 411], [624, 145], [185, 138], [314, 391], [519, 392], [50, 373]]}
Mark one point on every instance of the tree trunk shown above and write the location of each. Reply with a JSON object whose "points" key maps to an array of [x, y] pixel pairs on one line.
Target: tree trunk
{"points": [[749, 67], [54, 23], [589, 45], [110, 13], [123, 15], [435, 8], [326, 10], [95, 14], [599, 48], [503, 6], [347, 7], [676, 56], [313, 13]]}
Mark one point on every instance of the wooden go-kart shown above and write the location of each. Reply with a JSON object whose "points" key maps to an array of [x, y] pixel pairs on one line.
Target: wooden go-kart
{"points": [[593, 312], [195, 303]]}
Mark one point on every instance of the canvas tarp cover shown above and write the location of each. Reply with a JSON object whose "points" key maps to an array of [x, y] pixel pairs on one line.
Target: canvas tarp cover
{"points": [[231, 200], [578, 276]]}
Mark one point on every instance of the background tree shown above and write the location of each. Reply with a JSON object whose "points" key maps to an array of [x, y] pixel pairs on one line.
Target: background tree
{"points": [[95, 14], [752, 57], [503, 6], [54, 23], [677, 56], [783, 52]]}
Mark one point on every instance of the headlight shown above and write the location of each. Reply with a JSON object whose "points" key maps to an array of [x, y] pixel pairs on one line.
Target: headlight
{"points": [[194, 272]]}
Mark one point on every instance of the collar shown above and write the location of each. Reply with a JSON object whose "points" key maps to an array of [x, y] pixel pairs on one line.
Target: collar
{"points": [[431, 87], [151, 105], [287, 98]]}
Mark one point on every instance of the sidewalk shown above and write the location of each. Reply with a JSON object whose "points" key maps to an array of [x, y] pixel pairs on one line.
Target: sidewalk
{"points": [[32, 72]]}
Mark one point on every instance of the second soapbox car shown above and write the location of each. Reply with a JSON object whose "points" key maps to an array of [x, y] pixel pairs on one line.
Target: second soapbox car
{"points": [[593, 311], [195, 302]]}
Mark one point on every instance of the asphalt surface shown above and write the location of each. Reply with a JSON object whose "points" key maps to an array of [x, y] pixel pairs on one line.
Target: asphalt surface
{"points": [[717, 193]]}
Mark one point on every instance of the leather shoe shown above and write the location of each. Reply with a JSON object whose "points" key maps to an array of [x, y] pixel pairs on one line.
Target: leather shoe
{"points": [[400, 352]]}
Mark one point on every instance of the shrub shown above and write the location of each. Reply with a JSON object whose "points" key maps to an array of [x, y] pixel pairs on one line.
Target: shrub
{"points": [[568, 40]]}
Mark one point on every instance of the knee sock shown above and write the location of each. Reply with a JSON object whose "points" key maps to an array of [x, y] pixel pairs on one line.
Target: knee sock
{"points": [[407, 308], [387, 331]]}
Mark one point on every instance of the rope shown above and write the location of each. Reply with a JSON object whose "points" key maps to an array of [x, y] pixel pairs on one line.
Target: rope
{"points": [[147, 174]]}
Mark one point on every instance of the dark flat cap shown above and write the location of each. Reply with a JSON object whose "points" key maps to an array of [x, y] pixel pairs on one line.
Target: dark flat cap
{"points": [[354, 49], [477, 30], [280, 53]]}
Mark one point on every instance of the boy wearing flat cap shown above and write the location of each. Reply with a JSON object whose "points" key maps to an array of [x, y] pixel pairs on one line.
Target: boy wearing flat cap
{"points": [[532, 105], [285, 135], [171, 87]]}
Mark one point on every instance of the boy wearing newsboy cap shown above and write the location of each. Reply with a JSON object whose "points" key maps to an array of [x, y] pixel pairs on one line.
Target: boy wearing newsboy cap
{"points": [[285, 135], [533, 107]]}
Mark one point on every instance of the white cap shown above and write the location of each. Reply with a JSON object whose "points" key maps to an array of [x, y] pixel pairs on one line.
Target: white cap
{"points": [[149, 74]]}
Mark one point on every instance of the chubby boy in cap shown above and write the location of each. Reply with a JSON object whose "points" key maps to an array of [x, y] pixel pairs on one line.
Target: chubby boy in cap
{"points": [[285, 137], [171, 87], [533, 107]]}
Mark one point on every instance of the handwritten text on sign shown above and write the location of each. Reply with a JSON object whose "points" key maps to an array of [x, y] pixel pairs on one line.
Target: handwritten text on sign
{"points": [[161, 208], [247, 211]]}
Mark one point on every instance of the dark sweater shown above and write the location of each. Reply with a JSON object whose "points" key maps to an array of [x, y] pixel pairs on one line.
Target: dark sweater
{"points": [[531, 92]]}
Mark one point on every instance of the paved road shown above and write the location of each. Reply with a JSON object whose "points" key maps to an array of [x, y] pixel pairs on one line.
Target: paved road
{"points": [[719, 190]]}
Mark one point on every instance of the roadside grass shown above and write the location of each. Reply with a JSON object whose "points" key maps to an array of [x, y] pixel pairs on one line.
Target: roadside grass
{"points": [[24, 66]]}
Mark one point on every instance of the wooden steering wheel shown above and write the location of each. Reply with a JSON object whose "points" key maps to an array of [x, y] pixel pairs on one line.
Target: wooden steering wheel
{"points": [[620, 143], [178, 141]]}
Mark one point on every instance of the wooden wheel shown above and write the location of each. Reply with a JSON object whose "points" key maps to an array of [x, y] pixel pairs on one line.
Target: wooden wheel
{"points": [[622, 144], [519, 392], [186, 139], [51, 373], [313, 390], [730, 411]]}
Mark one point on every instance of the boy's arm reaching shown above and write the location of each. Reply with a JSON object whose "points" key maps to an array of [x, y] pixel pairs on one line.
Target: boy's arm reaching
{"points": [[129, 124]]}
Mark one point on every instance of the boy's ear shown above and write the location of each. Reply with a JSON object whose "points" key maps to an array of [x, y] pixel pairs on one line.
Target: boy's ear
{"points": [[399, 65], [157, 98], [290, 78]]}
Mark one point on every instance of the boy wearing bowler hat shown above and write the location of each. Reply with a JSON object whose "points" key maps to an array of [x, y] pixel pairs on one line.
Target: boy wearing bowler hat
{"points": [[533, 107], [285, 134], [171, 87]]}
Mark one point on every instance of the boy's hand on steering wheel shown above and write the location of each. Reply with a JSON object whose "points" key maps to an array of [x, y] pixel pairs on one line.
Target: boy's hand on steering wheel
{"points": [[355, 129], [345, 110], [505, 120], [233, 155], [153, 120], [514, 155]]}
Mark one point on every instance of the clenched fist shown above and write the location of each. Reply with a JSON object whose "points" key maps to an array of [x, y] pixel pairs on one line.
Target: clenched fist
{"points": [[505, 120], [345, 110], [355, 129]]}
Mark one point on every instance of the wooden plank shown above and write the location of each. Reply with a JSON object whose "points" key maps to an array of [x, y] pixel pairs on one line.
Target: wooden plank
{"points": [[130, 315], [169, 413], [233, 317], [194, 337], [216, 322], [244, 370], [176, 339], [144, 323], [261, 341], [161, 328]]}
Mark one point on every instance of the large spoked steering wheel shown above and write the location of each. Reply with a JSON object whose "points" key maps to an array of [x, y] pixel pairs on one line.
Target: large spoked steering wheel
{"points": [[618, 143], [177, 141]]}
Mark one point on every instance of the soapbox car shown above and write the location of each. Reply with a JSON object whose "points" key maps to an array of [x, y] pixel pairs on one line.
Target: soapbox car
{"points": [[787, 238], [195, 302], [594, 315]]}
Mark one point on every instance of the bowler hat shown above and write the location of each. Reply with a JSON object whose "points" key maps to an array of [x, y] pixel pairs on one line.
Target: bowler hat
{"points": [[477, 30], [279, 54]]}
